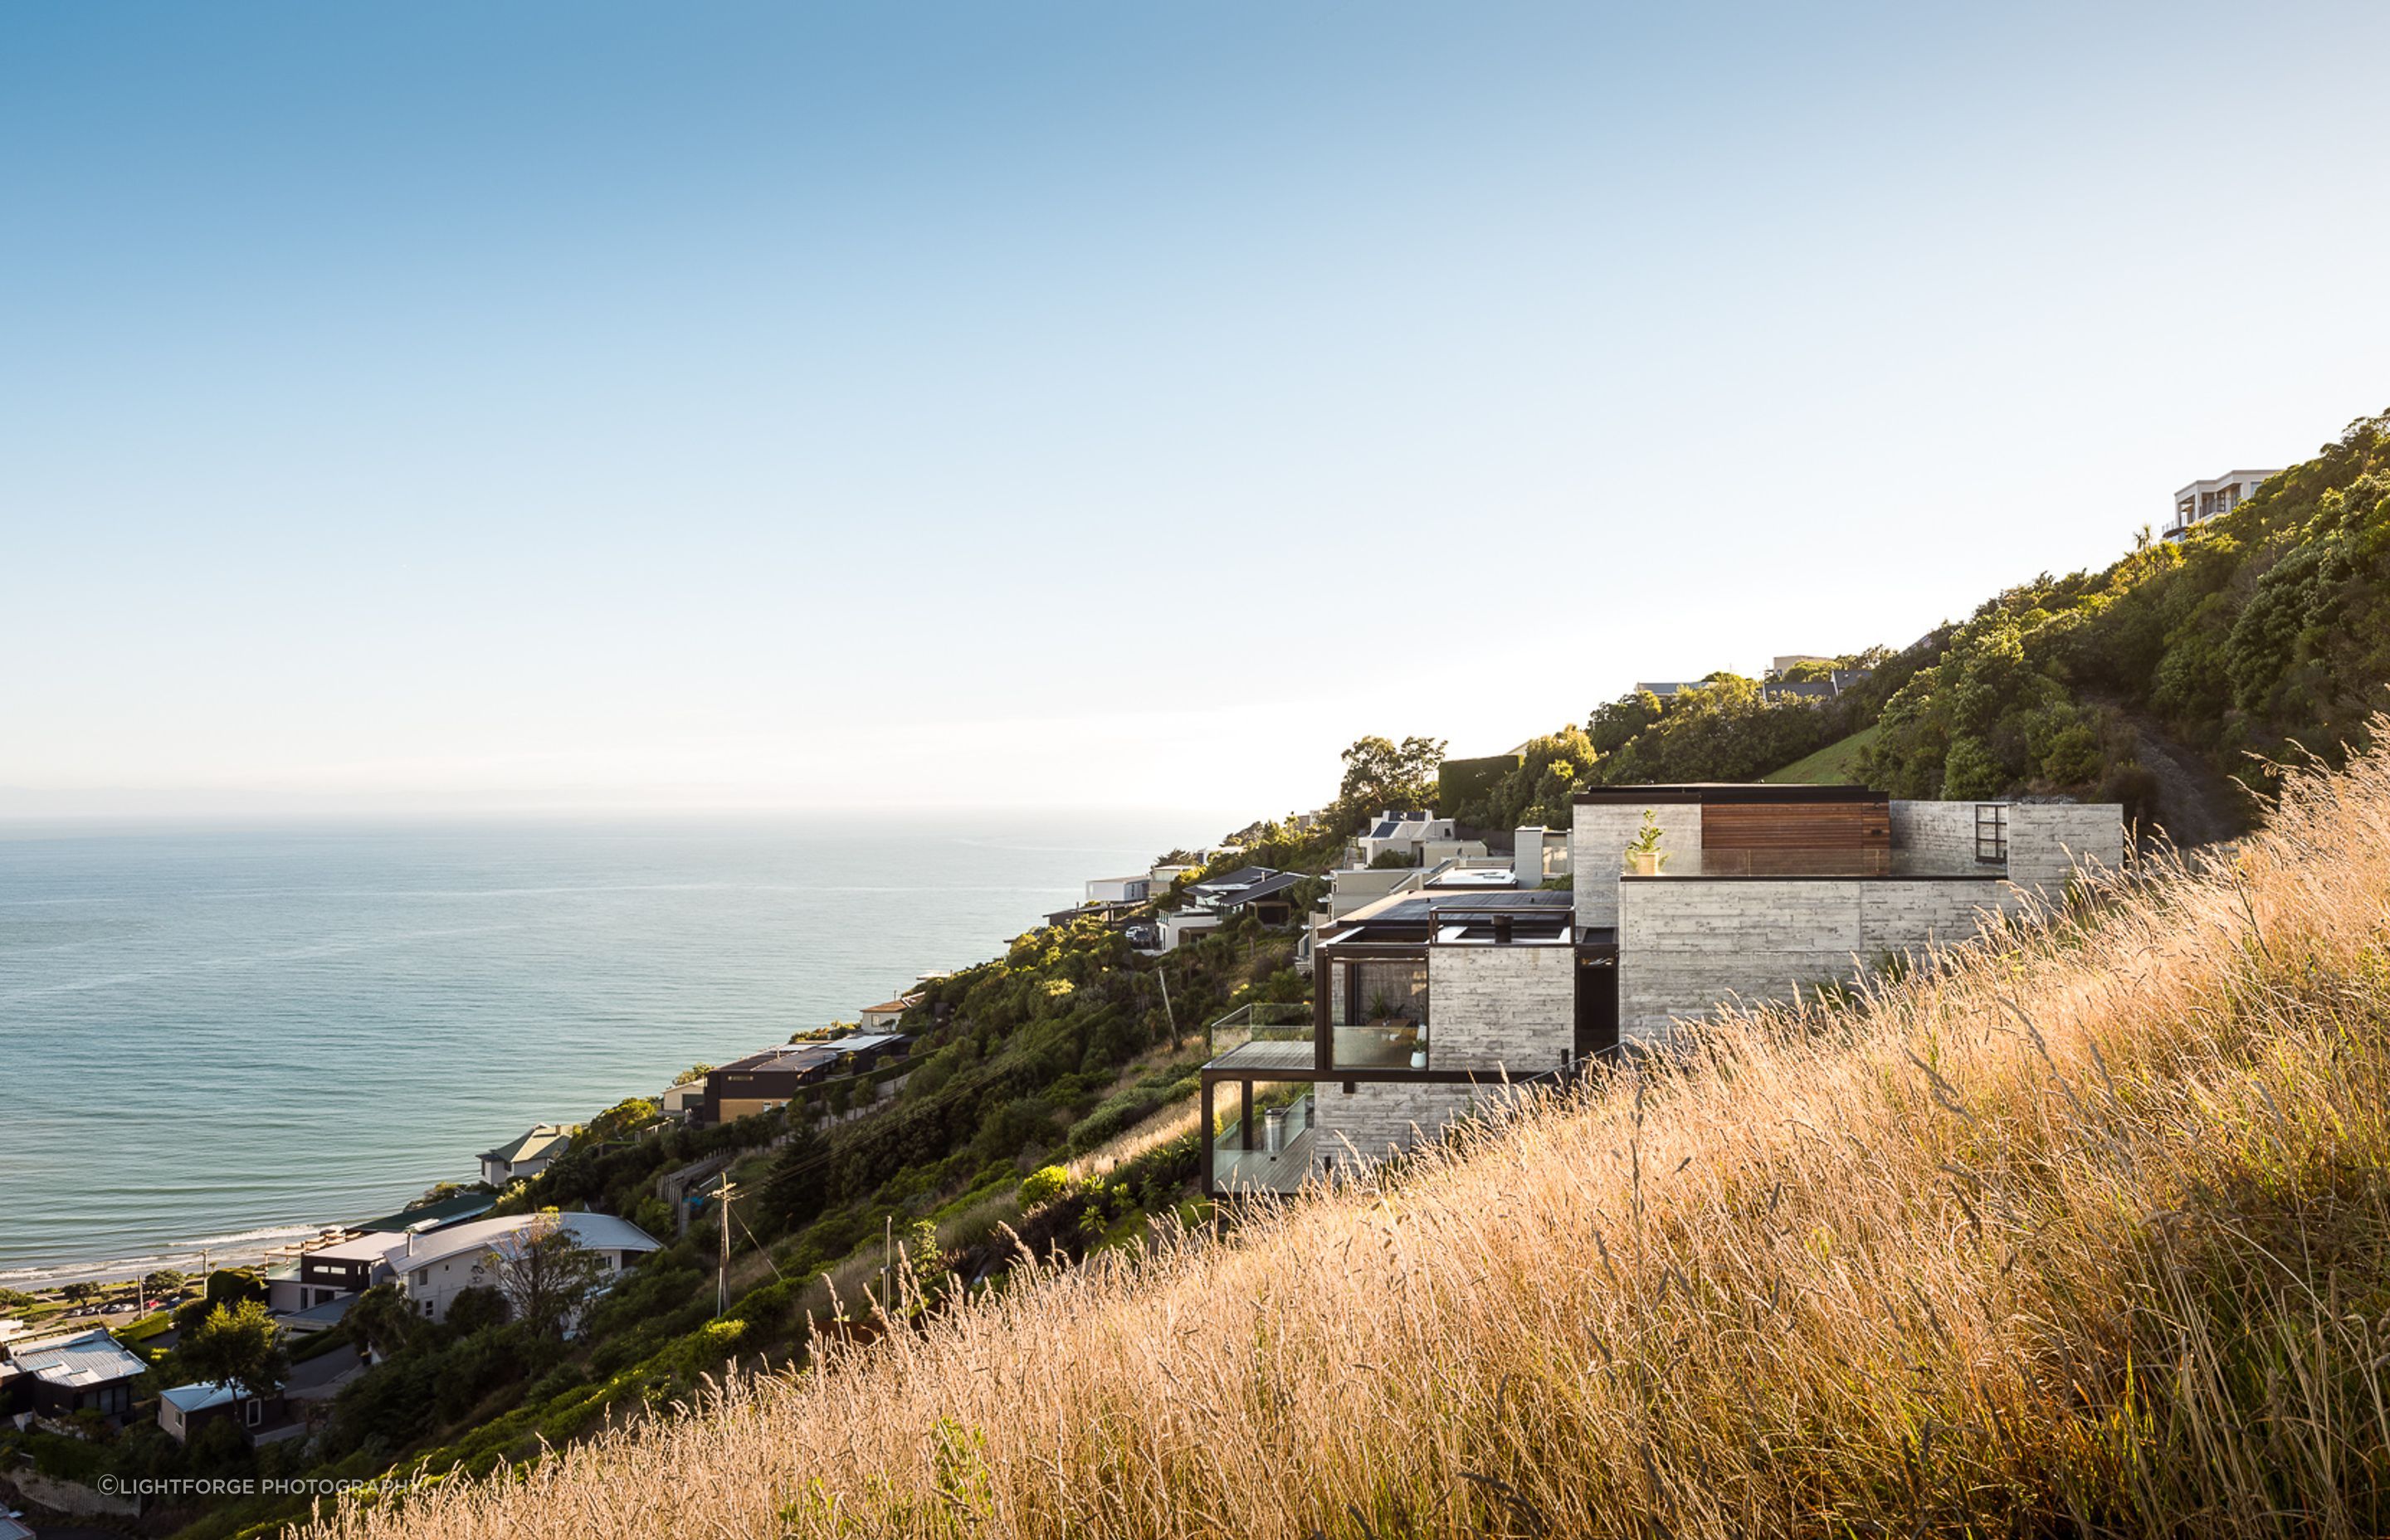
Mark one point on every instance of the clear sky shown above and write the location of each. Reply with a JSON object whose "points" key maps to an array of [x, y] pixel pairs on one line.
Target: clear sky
{"points": [[455, 406]]}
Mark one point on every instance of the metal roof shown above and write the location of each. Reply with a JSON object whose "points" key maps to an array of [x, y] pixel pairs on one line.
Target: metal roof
{"points": [[603, 1232], [75, 1359], [446, 1212], [541, 1140], [201, 1394]]}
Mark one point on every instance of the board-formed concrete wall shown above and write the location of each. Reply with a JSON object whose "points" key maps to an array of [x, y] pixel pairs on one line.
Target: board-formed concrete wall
{"points": [[1685, 947], [2048, 840], [1597, 842], [1938, 832], [1500, 1007], [1380, 1117]]}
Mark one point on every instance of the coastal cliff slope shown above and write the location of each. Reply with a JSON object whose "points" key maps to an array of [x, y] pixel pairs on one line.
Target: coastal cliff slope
{"points": [[2085, 1227]]}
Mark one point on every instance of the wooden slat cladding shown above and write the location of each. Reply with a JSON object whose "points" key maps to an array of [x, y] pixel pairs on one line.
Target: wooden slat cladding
{"points": [[1791, 825]]}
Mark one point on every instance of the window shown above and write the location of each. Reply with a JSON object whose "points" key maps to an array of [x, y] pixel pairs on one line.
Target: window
{"points": [[427, 1307], [1991, 832]]}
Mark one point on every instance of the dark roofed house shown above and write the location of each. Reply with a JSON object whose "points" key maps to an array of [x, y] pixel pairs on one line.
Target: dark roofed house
{"points": [[185, 1409], [1258, 891], [761, 1081], [73, 1371]]}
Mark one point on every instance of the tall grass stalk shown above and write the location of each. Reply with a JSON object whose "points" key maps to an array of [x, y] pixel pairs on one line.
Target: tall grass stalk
{"points": [[2080, 1228]]}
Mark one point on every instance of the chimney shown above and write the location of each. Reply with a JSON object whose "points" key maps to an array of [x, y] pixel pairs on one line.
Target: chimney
{"points": [[1501, 929], [1527, 856]]}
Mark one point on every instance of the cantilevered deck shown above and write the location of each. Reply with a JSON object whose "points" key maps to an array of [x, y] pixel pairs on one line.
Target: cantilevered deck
{"points": [[1264, 1053]]}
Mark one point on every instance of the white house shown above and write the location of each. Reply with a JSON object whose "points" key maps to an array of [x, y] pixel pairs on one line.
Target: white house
{"points": [[1404, 834], [522, 1159], [431, 1267], [2201, 501], [1119, 889], [884, 1015]]}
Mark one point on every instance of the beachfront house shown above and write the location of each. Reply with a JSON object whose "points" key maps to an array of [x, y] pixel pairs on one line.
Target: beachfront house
{"points": [[185, 1409], [1437, 997], [524, 1157], [64, 1373]]}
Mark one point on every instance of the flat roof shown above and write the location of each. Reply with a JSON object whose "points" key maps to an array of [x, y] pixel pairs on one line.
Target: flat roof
{"points": [[1727, 791], [1418, 908]]}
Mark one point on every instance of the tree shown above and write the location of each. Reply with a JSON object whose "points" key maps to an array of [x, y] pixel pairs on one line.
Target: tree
{"points": [[475, 1309], [797, 1189], [382, 1321], [624, 1118], [237, 1345], [1380, 774], [545, 1273]]}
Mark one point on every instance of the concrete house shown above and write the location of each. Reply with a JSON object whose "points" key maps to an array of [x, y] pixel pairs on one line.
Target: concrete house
{"points": [[69, 1372], [522, 1159], [1434, 997], [1119, 889], [1405, 834], [2202, 501]]}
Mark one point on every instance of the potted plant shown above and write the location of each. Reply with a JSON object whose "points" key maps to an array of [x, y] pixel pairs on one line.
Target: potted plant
{"points": [[1644, 856], [1418, 1049]]}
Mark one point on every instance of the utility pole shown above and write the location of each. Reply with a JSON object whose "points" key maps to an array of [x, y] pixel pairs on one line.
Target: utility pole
{"points": [[888, 1269], [1169, 1015], [722, 1273]]}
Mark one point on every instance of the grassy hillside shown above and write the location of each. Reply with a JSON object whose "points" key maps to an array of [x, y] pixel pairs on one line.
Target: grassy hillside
{"points": [[2265, 636], [1838, 764], [2085, 1228]]}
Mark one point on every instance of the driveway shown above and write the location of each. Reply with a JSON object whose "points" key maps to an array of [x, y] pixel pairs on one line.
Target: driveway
{"points": [[320, 1377]]}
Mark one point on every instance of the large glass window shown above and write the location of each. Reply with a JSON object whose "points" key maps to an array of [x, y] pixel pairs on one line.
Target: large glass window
{"points": [[1379, 1019]]}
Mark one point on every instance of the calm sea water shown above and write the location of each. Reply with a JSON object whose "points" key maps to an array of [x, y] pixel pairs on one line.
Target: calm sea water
{"points": [[218, 1037]]}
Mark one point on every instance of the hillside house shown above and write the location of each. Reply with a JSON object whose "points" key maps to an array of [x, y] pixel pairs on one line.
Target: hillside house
{"points": [[1434, 997], [185, 1409], [432, 1269], [1257, 891], [64, 1373], [522, 1159], [884, 1015], [2202, 501], [761, 1081], [432, 1264]]}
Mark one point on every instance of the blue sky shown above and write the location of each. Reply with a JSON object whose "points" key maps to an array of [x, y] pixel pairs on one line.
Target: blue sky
{"points": [[576, 405]]}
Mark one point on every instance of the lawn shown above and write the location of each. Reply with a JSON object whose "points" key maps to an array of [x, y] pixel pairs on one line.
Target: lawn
{"points": [[1835, 764]]}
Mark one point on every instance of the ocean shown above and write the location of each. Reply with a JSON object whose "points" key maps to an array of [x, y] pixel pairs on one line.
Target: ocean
{"points": [[221, 1038]]}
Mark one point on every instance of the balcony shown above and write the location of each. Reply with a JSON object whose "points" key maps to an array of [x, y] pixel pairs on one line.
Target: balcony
{"points": [[1262, 1036], [1277, 1158]]}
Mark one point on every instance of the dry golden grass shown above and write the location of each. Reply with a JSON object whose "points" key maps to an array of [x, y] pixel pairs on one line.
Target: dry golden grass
{"points": [[2081, 1231]]}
